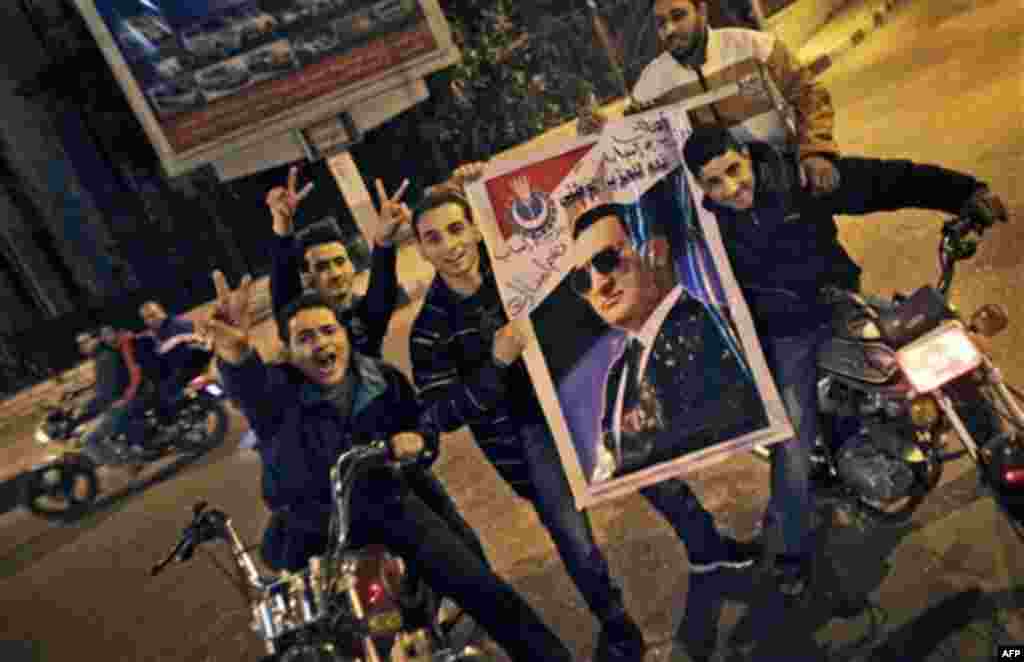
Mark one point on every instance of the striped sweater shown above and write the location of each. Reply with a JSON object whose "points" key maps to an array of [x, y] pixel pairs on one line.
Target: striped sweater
{"points": [[459, 382]]}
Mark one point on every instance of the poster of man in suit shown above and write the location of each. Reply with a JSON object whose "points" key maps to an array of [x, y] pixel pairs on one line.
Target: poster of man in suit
{"points": [[646, 361]]}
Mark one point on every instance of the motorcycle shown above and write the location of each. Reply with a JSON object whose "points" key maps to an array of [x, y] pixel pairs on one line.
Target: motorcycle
{"points": [[66, 484], [900, 382], [350, 605]]}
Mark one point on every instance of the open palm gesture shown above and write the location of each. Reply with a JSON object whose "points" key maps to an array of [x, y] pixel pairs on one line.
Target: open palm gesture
{"points": [[284, 200], [229, 324]]}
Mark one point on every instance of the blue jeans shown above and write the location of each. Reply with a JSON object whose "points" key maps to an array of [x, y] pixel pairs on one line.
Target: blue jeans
{"points": [[127, 419], [793, 363], [573, 536]]}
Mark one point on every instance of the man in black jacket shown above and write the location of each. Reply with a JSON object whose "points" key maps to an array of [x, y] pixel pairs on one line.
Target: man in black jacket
{"points": [[321, 255], [324, 401], [783, 246]]}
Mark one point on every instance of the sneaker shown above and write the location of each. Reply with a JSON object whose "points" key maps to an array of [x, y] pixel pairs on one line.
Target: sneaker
{"points": [[620, 640], [792, 576], [738, 555]]}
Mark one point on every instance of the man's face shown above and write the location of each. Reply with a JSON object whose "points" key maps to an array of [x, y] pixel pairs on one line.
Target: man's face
{"points": [[87, 343], [331, 271], [153, 314], [318, 346], [729, 180], [622, 290], [680, 24], [449, 241]]}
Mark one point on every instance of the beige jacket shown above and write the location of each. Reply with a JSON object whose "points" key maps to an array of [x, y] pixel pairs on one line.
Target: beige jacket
{"points": [[754, 84]]}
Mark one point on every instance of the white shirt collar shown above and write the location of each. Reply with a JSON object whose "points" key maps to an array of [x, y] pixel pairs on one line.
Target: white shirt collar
{"points": [[649, 331]]}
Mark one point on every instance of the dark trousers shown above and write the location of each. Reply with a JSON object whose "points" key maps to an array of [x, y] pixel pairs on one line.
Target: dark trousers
{"points": [[429, 489], [127, 419], [571, 531], [452, 567], [171, 385]]}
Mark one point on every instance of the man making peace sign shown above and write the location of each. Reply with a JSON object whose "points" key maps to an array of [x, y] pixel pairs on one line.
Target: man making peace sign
{"points": [[321, 254]]}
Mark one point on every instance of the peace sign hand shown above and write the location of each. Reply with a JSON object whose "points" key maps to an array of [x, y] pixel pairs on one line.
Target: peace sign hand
{"points": [[393, 213], [283, 201], [229, 324]]}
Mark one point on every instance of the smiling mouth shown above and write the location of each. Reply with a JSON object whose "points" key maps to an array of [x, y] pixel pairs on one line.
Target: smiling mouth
{"points": [[612, 300], [325, 362]]}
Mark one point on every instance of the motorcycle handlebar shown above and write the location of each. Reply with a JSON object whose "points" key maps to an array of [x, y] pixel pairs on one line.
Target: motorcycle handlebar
{"points": [[205, 525]]}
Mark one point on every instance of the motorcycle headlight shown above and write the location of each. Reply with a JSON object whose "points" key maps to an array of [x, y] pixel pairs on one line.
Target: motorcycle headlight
{"points": [[924, 411]]}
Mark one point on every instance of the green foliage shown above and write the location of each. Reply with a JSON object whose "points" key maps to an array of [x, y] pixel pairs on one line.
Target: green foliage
{"points": [[522, 72]]}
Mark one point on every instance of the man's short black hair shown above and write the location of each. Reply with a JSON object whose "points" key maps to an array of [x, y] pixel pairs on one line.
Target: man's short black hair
{"points": [[305, 301], [321, 232], [591, 216], [707, 143], [439, 199]]}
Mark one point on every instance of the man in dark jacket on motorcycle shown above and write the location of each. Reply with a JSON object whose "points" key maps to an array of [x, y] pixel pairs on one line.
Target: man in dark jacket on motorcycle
{"points": [[179, 352], [120, 394], [783, 246], [325, 400]]}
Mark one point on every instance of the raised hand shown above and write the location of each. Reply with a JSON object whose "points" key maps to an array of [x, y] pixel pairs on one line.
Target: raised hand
{"points": [[393, 213], [284, 200], [468, 172], [229, 324], [521, 187], [407, 444], [510, 341]]}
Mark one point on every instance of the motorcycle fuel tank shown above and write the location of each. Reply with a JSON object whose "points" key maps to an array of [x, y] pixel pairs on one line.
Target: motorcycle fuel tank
{"points": [[867, 361]]}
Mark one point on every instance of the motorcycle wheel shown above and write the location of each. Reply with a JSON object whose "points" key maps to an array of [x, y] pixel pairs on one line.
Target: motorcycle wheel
{"points": [[60, 491], [204, 424], [899, 511]]}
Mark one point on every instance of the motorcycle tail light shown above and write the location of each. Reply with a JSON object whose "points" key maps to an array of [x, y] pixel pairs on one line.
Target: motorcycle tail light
{"points": [[924, 412], [373, 593], [1014, 477], [939, 357]]}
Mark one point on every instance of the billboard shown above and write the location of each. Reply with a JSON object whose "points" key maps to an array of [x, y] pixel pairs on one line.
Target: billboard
{"points": [[210, 78], [646, 363]]}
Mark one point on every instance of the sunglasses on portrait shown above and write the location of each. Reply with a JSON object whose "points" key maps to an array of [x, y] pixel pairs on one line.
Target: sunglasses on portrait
{"points": [[604, 262]]}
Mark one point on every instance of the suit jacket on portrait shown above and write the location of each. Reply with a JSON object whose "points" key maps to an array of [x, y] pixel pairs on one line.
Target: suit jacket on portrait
{"points": [[688, 391]]}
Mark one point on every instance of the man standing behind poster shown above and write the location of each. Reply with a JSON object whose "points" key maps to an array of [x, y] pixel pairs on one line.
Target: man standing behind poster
{"points": [[794, 111], [679, 387]]}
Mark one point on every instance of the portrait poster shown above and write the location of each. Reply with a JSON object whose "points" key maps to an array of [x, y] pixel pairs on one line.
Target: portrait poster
{"points": [[645, 358], [207, 78]]}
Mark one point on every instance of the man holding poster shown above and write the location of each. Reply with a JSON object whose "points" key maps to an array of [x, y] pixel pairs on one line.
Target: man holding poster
{"points": [[467, 364]]}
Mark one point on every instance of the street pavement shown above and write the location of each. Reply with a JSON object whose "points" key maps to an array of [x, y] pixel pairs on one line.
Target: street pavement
{"points": [[938, 82]]}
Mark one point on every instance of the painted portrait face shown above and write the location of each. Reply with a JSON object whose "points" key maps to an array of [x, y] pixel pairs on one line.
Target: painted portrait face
{"points": [[610, 275]]}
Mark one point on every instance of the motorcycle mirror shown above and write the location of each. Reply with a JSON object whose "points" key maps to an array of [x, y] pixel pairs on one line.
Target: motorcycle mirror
{"points": [[990, 319]]}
